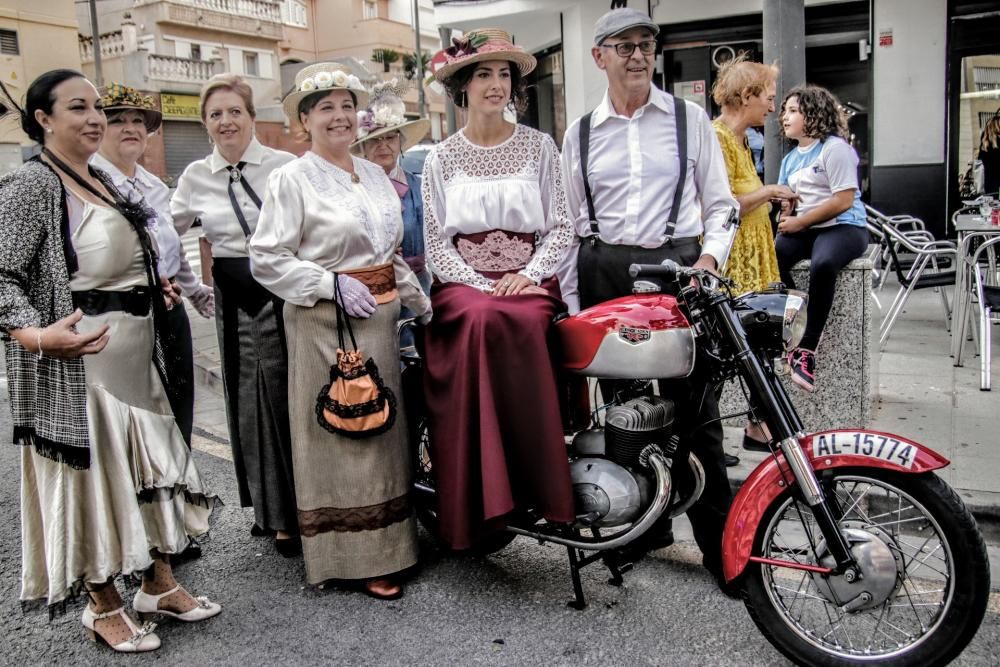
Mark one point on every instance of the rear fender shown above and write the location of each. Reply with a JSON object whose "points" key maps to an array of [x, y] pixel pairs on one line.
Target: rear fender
{"points": [[841, 448]]}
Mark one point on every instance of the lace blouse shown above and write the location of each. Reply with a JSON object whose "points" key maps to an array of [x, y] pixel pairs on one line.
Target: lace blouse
{"points": [[315, 221], [515, 186]]}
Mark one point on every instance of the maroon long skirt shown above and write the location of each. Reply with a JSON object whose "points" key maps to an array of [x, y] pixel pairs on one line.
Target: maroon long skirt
{"points": [[496, 434]]}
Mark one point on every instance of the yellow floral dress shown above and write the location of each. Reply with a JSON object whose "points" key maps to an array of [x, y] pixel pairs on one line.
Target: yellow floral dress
{"points": [[752, 262]]}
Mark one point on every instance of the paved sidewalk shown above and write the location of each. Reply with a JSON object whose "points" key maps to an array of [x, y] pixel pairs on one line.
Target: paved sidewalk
{"points": [[922, 396]]}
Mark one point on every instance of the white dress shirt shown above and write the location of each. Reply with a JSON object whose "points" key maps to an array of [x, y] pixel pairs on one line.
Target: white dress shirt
{"points": [[203, 192], [315, 221], [633, 173], [144, 185], [515, 186]]}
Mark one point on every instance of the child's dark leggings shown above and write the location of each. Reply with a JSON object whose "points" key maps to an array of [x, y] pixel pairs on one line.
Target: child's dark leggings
{"points": [[830, 249]]}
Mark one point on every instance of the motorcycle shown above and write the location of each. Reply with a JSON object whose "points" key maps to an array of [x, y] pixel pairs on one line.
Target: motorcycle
{"points": [[846, 547]]}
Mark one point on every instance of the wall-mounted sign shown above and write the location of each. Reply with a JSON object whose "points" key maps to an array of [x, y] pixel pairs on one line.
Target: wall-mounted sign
{"points": [[179, 107], [692, 91], [885, 37]]}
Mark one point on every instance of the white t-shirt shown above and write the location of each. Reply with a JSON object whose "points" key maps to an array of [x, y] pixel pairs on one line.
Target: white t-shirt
{"points": [[817, 172]]}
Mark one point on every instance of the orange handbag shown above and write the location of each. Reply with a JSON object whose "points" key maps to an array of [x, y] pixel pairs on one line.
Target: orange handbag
{"points": [[356, 403]]}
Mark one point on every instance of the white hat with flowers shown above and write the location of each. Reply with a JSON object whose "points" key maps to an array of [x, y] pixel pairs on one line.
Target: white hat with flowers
{"points": [[321, 77], [387, 114]]}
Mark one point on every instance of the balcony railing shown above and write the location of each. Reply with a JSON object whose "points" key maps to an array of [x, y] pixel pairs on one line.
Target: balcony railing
{"points": [[112, 46], [264, 10], [180, 70]]}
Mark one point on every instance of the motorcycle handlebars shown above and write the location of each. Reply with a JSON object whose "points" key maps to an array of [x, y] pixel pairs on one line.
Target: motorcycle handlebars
{"points": [[667, 270]]}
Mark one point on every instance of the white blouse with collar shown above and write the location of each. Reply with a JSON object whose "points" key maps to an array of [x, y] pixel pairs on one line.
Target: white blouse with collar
{"points": [[203, 192], [315, 221]]}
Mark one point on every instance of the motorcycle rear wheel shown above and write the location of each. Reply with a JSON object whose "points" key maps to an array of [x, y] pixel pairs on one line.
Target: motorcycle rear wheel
{"points": [[426, 508], [940, 588]]}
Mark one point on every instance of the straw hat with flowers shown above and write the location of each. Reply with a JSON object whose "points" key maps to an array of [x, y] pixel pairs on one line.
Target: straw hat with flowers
{"points": [[477, 46], [117, 97], [321, 77], [386, 114]]}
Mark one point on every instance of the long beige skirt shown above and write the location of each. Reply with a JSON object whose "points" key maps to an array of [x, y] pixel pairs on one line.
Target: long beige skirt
{"points": [[141, 492], [355, 515]]}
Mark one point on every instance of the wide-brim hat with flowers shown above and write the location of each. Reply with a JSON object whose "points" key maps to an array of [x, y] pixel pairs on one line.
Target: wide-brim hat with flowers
{"points": [[118, 97], [477, 46], [322, 77], [386, 114]]}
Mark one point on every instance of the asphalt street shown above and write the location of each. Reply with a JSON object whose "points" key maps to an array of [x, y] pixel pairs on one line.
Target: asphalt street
{"points": [[506, 609]]}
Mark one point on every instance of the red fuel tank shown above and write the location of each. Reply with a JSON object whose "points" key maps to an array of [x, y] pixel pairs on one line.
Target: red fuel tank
{"points": [[638, 337]]}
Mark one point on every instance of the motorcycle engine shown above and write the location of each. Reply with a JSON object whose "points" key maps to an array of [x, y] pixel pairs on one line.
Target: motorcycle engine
{"points": [[610, 487]]}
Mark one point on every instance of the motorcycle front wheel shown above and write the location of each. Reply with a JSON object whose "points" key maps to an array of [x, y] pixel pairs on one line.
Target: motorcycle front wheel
{"points": [[925, 574]]}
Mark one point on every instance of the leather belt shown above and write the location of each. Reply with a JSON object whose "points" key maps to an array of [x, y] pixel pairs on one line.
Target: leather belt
{"points": [[380, 280], [135, 301]]}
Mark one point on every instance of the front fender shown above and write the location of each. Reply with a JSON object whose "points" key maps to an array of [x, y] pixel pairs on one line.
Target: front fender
{"points": [[840, 448]]}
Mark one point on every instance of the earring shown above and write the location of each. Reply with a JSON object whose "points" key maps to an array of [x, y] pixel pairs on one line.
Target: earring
{"points": [[462, 100], [48, 130]]}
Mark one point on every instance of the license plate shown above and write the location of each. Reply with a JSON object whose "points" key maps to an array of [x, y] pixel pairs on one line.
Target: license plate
{"points": [[872, 445]]}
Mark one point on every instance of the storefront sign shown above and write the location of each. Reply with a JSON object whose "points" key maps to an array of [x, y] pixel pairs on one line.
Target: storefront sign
{"points": [[179, 107], [885, 37]]}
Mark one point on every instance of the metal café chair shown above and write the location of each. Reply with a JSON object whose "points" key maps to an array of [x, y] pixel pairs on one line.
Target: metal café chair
{"points": [[927, 254], [986, 290], [907, 225]]}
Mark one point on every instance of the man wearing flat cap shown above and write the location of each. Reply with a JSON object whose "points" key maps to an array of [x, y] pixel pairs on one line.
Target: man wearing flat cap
{"points": [[645, 182]]}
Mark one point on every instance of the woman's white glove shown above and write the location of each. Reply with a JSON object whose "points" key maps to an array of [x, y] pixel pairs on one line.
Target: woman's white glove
{"points": [[203, 300], [354, 297]]}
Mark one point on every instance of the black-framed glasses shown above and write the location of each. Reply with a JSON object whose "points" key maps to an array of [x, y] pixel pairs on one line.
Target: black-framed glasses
{"points": [[647, 47]]}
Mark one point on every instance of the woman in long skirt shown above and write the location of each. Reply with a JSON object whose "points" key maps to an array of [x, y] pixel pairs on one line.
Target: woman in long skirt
{"points": [[329, 230], [496, 228]]}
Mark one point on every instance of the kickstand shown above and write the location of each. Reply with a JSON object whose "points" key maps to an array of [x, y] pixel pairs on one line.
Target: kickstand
{"points": [[610, 560], [580, 602]]}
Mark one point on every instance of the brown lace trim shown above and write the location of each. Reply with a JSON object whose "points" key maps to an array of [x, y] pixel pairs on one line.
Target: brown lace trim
{"points": [[354, 519]]}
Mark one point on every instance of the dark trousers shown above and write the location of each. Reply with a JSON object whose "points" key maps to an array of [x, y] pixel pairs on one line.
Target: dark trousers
{"points": [[180, 369], [603, 275], [830, 249]]}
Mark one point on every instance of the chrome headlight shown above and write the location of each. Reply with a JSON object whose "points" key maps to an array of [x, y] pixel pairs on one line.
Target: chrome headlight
{"points": [[795, 319], [774, 320]]}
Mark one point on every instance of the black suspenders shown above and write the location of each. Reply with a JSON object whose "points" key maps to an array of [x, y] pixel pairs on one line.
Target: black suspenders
{"points": [[680, 113]]}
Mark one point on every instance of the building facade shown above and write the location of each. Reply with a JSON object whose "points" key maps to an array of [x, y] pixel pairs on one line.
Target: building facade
{"points": [[374, 36], [895, 64], [170, 48], [34, 38]]}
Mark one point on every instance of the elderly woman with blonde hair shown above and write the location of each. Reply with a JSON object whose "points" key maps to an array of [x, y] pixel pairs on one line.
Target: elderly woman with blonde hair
{"points": [[225, 190], [745, 91]]}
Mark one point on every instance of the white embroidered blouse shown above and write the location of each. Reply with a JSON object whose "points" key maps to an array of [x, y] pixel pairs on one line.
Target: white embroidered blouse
{"points": [[515, 186], [315, 221]]}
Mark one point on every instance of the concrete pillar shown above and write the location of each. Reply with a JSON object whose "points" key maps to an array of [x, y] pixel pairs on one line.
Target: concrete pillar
{"points": [[130, 34], [785, 44]]}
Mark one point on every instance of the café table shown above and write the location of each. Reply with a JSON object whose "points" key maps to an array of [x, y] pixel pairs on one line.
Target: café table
{"points": [[969, 226]]}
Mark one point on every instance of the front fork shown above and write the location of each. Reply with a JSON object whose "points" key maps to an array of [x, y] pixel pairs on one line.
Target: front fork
{"points": [[785, 425]]}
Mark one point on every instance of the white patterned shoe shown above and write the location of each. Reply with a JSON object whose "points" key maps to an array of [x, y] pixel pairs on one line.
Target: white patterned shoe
{"points": [[147, 605], [143, 639]]}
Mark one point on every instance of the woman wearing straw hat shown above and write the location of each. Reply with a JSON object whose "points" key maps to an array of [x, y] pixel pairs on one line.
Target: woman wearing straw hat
{"points": [[384, 135], [224, 190], [132, 118], [495, 227], [330, 226]]}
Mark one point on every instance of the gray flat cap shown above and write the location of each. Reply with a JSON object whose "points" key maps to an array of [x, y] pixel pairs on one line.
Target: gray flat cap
{"points": [[620, 20]]}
